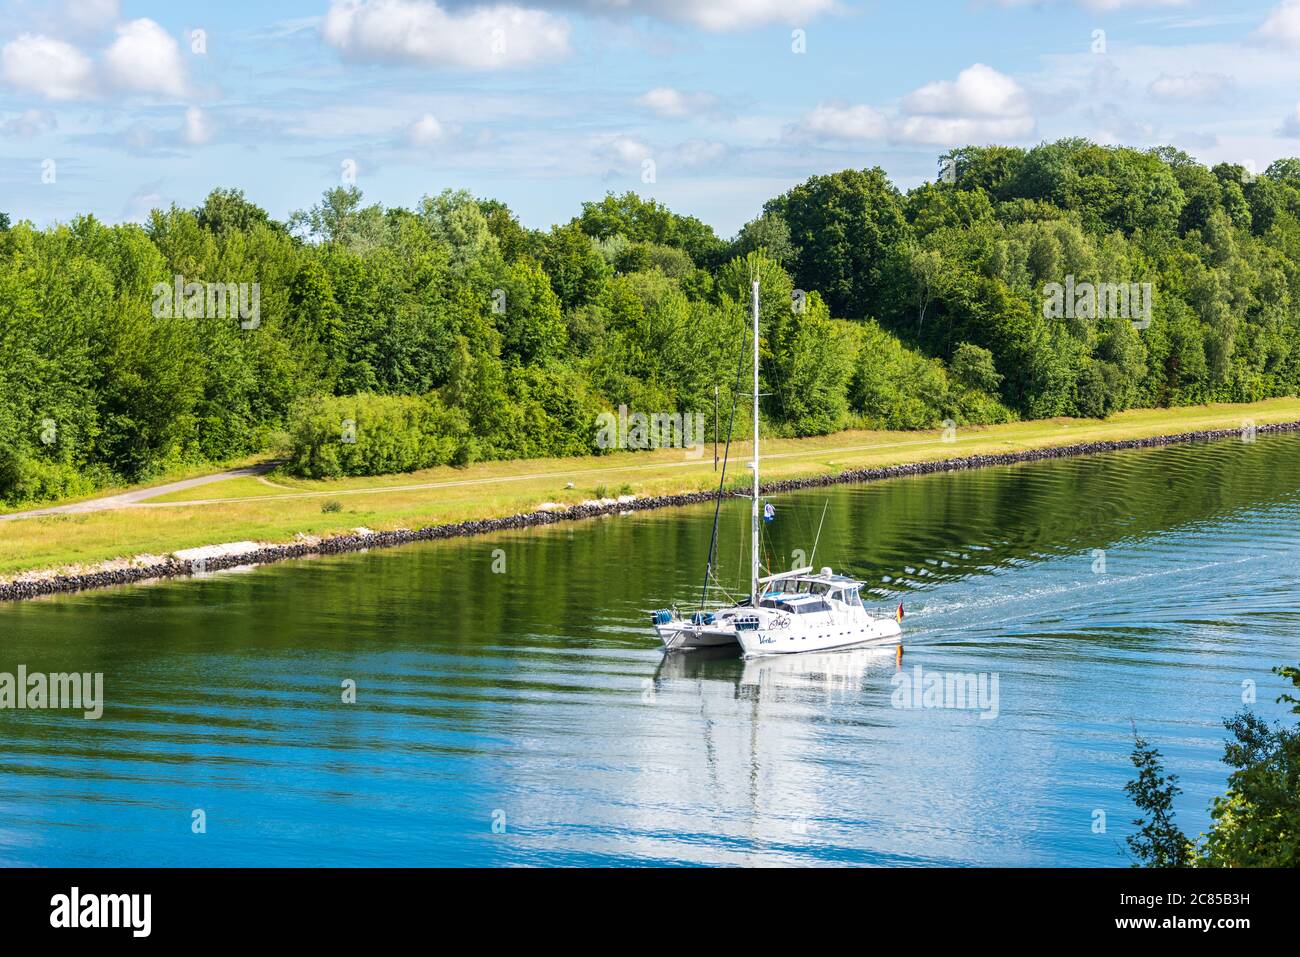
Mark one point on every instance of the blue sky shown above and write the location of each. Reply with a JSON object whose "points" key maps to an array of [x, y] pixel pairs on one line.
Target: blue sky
{"points": [[545, 104]]}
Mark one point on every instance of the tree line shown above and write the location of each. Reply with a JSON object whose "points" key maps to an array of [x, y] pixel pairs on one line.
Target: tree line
{"points": [[387, 339]]}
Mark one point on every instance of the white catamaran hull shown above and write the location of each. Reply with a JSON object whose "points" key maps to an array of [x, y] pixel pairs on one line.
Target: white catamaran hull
{"points": [[784, 635], [688, 637]]}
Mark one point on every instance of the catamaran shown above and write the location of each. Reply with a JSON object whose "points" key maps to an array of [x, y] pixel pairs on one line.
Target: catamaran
{"points": [[785, 613]]}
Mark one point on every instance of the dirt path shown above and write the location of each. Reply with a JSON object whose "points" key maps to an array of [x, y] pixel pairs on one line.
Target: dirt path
{"points": [[139, 494]]}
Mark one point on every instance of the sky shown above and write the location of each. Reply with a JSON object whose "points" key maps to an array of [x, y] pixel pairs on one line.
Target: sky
{"points": [[114, 107]]}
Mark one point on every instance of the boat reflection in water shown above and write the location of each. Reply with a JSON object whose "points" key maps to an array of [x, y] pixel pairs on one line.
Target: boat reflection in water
{"points": [[830, 673], [768, 764]]}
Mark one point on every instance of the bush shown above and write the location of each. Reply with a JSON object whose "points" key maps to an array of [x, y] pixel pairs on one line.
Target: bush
{"points": [[374, 435], [26, 479]]}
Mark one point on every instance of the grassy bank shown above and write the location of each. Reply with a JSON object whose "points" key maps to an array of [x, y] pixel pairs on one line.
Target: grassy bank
{"points": [[276, 508]]}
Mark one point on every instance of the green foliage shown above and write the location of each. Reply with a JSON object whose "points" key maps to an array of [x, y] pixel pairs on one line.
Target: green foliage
{"points": [[769, 234], [973, 367], [372, 435], [894, 387], [893, 310], [648, 221], [227, 209], [1255, 823], [846, 227], [1158, 841], [576, 268]]}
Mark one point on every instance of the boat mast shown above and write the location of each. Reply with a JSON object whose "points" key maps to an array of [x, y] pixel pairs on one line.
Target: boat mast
{"points": [[753, 578]]}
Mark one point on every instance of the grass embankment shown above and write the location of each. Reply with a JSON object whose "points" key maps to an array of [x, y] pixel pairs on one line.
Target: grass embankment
{"points": [[277, 508]]}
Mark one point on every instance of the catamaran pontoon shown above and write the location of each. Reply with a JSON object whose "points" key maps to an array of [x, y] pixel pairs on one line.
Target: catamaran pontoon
{"points": [[785, 613]]}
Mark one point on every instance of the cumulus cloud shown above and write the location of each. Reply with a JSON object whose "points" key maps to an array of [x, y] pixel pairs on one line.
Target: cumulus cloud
{"points": [[421, 32], [836, 121], [1191, 87], [45, 66], [425, 131], [198, 129], [980, 105], [667, 101], [145, 58], [1282, 27], [979, 90]]}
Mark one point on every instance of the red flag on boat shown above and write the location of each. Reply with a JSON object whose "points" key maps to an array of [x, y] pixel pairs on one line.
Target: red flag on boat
{"points": [[900, 611]]}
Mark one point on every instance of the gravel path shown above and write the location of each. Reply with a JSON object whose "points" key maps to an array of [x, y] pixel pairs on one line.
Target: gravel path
{"points": [[139, 494]]}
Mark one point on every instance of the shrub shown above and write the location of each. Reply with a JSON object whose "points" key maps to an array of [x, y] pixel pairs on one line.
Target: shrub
{"points": [[373, 435]]}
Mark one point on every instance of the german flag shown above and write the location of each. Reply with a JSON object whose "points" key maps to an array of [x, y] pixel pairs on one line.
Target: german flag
{"points": [[900, 611]]}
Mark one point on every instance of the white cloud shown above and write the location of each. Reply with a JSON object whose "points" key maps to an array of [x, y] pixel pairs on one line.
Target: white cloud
{"points": [[49, 67], [629, 153], [145, 58], [198, 129], [421, 32], [979, 90], [979, 106], [726, 15], [834, 121], [30, 123], [623, 149], [1191, 86], [666, 101], [425, 131], [1282, 28], [954, 130]]}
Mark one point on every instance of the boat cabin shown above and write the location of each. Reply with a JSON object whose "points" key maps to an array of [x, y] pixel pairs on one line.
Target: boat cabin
{"points": [[801, 593]]}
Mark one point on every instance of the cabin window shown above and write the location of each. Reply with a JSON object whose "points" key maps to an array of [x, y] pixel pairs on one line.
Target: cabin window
{"points": [[811, 607]]}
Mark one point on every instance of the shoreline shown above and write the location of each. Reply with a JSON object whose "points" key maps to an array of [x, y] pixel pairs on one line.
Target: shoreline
{"points": [[36, 587]]}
